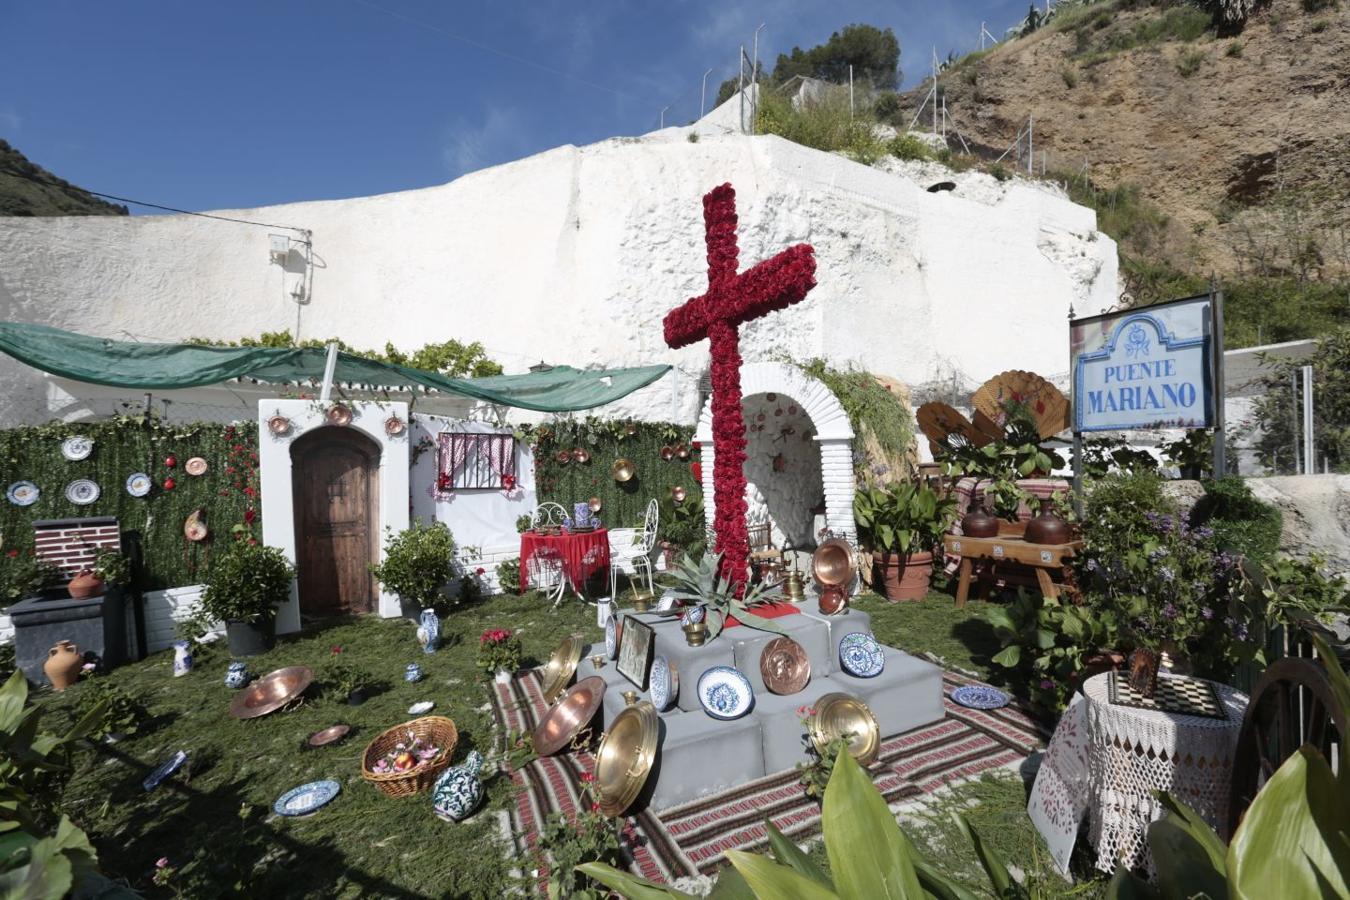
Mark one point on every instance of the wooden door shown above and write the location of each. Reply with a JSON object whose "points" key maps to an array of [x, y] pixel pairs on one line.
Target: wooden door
{"points": [[335, 486]]}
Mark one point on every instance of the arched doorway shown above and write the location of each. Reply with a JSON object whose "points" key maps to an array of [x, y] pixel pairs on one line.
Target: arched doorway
{"points": [[335, 497]]}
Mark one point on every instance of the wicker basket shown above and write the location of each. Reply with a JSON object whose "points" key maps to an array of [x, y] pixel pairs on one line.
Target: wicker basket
{"points": [[436, 730]]}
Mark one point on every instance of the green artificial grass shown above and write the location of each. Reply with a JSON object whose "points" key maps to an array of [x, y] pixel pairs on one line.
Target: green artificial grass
{"points": [[213, 820]]}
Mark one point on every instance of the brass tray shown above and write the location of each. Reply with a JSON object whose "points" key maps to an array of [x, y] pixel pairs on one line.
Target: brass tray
{"points": [[838, 714], [784, 666], [832, 563], [271, 692], [567, 718], [561, 666], [625, 758]]}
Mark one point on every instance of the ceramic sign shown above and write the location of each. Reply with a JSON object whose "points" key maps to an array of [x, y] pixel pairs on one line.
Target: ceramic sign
{"points": [[724, 693], [635, 651]]}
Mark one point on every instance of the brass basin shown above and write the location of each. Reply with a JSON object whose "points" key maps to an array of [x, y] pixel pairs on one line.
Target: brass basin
{"points": [[832, 563], [623, 470], [271, 692], [840, 714], [625, 757], [569, 716], [561, 666]]}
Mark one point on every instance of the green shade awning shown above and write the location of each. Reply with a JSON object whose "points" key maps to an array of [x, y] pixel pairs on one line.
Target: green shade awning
{"points": [[128, 364]]}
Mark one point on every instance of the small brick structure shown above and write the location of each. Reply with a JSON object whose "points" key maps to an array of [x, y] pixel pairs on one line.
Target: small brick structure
{"points": [[72, 544]]}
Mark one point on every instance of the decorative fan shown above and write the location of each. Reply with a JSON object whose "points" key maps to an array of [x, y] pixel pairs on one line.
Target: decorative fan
{"points": [[1047, 403], [939, 422]]}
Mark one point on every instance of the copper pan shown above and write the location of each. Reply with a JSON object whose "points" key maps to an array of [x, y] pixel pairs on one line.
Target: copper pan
{"points": [[784, 666], [832, 563], [569, 717], [623, 470], [271, 692]]}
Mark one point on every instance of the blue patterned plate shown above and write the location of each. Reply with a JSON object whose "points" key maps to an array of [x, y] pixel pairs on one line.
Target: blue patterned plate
{"points": [[667, 602], [664, 682], [725, 693], [166, 768], [861, 656], [23, 493], [138, 484], [980, 696], [612, 637], [303, 800]]}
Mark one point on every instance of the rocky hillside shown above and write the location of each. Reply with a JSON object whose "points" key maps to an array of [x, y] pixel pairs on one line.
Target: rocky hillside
{"points": [[1241, 139], [27, 189]]}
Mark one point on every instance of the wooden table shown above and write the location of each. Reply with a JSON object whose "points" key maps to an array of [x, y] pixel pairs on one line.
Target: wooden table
{"points": [[1041, 558]]}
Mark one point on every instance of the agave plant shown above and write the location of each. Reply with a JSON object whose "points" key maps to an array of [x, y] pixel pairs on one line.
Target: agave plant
{"points": [[703, 583]]}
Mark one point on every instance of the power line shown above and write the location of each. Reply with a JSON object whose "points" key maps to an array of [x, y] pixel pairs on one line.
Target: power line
{"points": [[184, 212]]}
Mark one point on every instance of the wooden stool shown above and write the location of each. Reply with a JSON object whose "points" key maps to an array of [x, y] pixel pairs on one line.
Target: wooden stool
{"points": [[1007, 549]]}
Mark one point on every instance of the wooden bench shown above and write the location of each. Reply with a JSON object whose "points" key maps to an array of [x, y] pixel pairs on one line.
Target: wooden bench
{"points": [[1040, 558]]}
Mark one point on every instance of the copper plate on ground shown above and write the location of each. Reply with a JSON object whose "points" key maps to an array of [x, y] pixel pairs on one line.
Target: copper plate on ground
{"points": [[832, 563], [561, 666], [330, 735], [271, 692], [784, 666], [569, 716], [840, 714], [625, 757]]}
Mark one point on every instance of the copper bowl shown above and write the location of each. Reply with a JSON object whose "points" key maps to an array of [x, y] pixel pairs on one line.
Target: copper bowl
{"points": [[667, 453], [833, 600], [682, 451], [838, 715], [279, 425], [581, 456], [832, 563], [784, 666], [561, 666], [330, 735], [271, 692], [339, 414], [595, 503], [566, 719], [678, 494], [562, 457], [394, 426], [625, 757], [623, 470]]}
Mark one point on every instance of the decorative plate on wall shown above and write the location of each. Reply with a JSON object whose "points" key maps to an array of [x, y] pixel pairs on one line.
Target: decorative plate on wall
{"points": [[82, 492], [724, 693], [77, 447], [23, 493], [861, 656], [139, 484], [195, 466]]}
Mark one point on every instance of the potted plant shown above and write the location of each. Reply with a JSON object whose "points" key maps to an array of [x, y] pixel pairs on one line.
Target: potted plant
{"points": [[418, 563], [702, 584], [902, 525], [682, 528], [245, 586], [499, 652], [112, 567], [347, 682]]}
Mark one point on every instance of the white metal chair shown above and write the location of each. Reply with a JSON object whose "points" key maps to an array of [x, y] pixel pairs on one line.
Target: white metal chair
{"points": [[547, 515], [545, 568], [630, 550]]}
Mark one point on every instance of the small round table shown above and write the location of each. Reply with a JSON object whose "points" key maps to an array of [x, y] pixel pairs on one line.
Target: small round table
{"points": [[1133, 752], [581, 554]]}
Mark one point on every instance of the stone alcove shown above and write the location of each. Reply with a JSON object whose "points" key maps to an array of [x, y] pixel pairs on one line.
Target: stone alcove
{"points": [[805, 426]]}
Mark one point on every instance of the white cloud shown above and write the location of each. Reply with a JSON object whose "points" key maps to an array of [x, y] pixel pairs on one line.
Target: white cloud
{"points": [[10, 121], [500, 137]]}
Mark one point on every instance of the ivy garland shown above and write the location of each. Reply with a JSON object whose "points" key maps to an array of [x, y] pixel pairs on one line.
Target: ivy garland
{"points": [[873, 410], [622, 504], [228, 491]]}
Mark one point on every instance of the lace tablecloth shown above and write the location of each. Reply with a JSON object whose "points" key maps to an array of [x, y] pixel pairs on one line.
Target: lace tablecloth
{"points": [[1108, 760]]}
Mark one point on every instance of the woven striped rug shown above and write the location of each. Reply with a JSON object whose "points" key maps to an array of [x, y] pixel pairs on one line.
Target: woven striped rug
{"points": [[692, 839]]}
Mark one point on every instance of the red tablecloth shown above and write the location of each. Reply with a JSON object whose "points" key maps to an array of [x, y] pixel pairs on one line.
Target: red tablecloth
{"points": [[582, 554], [768, 611]]}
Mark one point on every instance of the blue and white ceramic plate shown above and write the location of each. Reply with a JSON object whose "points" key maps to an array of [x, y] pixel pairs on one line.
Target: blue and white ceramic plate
{"points": [[82, 492], [980, 696], [663, 685], [693, 615], [420, 707], [77, 447], [23, 493], [612, 637], [303, 800], [725, 693], [166, 768], [667, 602], [861, 656], [139, 484]]}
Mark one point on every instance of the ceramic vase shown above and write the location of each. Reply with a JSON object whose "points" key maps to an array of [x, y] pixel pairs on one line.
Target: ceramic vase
{"points": [[502, 677], [182, 658], [236, 676], [459, 790], [62, 667], [979, 522], [1046, 527], [85, 585], [429, 631]]}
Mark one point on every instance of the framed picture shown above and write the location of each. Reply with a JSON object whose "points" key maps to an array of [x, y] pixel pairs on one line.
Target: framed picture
{"points": [[636, 642]]}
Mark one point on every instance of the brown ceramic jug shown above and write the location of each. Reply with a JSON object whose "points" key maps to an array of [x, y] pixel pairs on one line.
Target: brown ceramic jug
{"points": [[979, 522], [85, 585], [1046, 527], [63, 665]]}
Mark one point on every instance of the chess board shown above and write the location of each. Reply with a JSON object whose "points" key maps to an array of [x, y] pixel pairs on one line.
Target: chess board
{"points": [[1178, 694]]}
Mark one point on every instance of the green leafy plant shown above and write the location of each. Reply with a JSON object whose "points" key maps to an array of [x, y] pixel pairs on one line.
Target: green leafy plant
{"points": [[519, 750], [567, 845], [1299, 591], [1241, 523], [903, 518], [123, 713], [247, 583], [1192, 454], [499, 649], [908, 146], [1046, 643], [26, 573], [701, 582], [418, 563], [880, 417], [1274, 413], [342, 679], [113, 567], [814, 774], [1106, 455], [508, 575], [523, 523], [683, 524]]}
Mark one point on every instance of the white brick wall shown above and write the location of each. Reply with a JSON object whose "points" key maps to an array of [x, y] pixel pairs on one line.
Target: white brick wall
{"points": [[163, 611]]}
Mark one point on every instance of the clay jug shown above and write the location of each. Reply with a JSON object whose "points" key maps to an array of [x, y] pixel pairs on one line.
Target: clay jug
{"points": [[63, 665], [979, 522], [85, 585], [1046, 527]]}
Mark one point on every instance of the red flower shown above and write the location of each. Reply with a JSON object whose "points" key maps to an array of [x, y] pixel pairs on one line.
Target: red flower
{"points": [[479, 571], [337, 648], [253, 542], [250, 515], [586, 777], [12, 554], [595, 807]]}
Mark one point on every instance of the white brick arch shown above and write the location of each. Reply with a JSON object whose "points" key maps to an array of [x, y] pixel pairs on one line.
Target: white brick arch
{"points": [[833, 434]]}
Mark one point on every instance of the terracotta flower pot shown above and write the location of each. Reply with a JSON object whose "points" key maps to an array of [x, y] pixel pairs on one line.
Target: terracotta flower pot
{"points": [[904, 577], [85, 585]]}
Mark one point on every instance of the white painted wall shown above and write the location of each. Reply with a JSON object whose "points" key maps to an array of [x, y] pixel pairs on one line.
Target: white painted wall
{"points": [[575, 255]]}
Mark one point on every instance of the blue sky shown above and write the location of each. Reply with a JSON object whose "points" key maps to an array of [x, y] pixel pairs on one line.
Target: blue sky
{"points": [[207, 105]]}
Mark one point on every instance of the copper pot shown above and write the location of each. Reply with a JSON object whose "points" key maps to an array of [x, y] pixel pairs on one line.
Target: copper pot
{"points": [[564, 722], [833, 600], [563, 457], [85, 585], [678, 494], [979, 522], [1046, 527], [667, 452], [681, 451], [580, 455], [623, 470], [339, 414]]}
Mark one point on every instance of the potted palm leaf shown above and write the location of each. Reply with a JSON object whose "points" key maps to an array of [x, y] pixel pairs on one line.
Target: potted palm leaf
{"points": [[902, 525]]}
